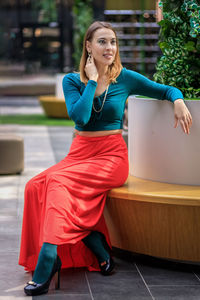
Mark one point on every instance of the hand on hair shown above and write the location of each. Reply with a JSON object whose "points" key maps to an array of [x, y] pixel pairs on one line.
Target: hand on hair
{"points": [[90, 69]]}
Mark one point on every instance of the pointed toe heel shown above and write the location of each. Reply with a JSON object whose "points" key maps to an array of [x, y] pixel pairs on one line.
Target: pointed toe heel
{"points": [[108, 267], [33, 289]]}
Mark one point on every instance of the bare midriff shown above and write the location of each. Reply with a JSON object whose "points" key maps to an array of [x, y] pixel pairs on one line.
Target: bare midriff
{"points": [[98, 133]]}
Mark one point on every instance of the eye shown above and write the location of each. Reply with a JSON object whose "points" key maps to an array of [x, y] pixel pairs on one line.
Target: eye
{"points": [[113, 42], [101, 41]]}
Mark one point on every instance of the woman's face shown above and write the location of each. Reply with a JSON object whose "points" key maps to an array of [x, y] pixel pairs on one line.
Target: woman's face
{"points": [[103, 46]]}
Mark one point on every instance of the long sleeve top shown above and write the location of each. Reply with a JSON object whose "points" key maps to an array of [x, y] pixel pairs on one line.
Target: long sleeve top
{"points": [[79, 99]]}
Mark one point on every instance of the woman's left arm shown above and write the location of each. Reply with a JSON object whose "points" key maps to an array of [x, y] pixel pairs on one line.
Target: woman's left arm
{"points": [[140, 85], [182, 115]]}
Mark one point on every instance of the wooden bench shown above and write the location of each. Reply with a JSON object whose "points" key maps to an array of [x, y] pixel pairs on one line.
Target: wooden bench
{"points": [[156, 219]]}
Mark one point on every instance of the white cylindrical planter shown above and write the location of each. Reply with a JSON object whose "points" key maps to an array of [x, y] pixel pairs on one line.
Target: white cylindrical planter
{"points": [[158, 151], [59, 89]]}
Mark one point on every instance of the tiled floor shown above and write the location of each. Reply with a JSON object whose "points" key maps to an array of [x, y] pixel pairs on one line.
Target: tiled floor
{"points": [[135, 277]]}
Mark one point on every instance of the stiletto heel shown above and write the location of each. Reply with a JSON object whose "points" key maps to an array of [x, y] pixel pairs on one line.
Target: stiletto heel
{"points": [[33, 289], [57, 280]]}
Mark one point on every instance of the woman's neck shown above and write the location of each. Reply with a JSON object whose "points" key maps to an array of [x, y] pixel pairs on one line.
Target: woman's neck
{"points": [[102, 70]]}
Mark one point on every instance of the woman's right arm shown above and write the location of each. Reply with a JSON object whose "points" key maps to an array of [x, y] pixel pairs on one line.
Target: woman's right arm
{"points": [[79, 106]]}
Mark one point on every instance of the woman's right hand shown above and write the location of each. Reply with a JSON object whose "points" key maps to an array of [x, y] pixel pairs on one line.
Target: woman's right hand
{"points": [[90, 69], [182, 115]]}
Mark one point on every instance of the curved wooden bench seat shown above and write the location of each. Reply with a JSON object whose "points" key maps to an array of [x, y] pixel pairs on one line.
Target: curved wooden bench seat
{"points": [[156, 219]]}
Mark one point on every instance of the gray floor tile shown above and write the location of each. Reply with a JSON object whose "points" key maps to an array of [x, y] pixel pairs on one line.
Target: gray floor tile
{"points": [[14, 294], [9, 181], [163, 276], [162, 272], [124, 296], [73, 281], [9, 226], [124, 260], [125, 283], [12, 277], [197, 274], [8, 261], [9, 243], [122, 265], [17, 297], [9, 206], [196, 269], [56, 296], [60, 139], [176, 292]]}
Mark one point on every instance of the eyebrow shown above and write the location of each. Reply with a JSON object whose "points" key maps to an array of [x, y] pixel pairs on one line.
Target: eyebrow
{"points": [[103, 38]]}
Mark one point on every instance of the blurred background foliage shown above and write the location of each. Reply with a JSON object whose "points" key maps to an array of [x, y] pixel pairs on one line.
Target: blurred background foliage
{"points": [[83, 17], [47, 10], [179, 41], [47, 36]]}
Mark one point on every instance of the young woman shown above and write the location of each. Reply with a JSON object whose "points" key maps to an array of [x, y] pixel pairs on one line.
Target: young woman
{"points": [[63, 211]]}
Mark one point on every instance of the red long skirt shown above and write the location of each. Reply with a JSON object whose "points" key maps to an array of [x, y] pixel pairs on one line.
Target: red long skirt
{"points": [[65, 203]]}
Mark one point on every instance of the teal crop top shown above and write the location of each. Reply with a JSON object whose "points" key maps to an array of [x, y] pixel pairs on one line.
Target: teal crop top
{"points": [[79, 99]]}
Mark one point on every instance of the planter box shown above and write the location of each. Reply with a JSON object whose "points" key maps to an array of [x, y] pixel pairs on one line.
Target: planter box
{"points": [[54, 107], [158, 151]]}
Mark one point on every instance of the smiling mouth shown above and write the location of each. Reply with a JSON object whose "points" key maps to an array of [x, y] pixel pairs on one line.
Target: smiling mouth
{"points": [[108, 55]]}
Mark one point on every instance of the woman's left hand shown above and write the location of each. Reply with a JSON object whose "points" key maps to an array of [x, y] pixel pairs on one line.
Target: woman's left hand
{"points": [[182, 115]]}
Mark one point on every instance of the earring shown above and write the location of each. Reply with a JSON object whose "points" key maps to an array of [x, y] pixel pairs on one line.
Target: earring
{"points": [[89, 56]]}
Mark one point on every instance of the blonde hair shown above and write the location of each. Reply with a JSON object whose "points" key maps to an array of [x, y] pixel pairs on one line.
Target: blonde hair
{"points": [[114, 69]]}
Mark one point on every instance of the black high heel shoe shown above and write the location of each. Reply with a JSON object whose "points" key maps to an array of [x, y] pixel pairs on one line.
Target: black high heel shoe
{"points": [[33, 289], [108, 267]]}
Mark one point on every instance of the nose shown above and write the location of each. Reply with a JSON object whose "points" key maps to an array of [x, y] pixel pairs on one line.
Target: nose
{"points": [[108, 45]]}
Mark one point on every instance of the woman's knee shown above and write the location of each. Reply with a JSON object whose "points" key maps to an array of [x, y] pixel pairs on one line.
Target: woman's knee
{"points": [[31, 185], [52, 178]]}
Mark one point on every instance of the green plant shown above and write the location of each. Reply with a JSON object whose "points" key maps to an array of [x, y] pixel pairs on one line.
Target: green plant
{"points": [[47, 10], [83, 17], [179, 41]]}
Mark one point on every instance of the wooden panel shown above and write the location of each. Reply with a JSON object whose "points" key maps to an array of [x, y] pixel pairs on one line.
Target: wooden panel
{"points": [[162, 229], [152, 191]]}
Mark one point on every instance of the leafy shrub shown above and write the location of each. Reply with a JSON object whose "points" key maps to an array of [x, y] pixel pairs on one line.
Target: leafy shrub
{"points": [[179, 41]]}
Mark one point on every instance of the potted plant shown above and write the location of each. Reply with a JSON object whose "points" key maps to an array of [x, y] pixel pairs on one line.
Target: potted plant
{"points": [[157, 151]]}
